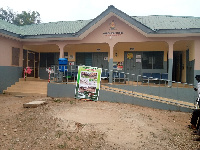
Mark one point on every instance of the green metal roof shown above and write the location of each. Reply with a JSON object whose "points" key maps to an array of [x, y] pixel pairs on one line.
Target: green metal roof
{"points": [[4, 25], [169, 22], [148, 24], [61, 27]]}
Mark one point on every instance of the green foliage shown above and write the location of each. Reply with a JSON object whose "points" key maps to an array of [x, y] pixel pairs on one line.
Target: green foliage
{"points": [[7, 15], [25, 18]]}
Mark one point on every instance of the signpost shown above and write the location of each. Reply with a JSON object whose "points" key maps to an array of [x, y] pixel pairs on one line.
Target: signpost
{"points": [[88, 83]]}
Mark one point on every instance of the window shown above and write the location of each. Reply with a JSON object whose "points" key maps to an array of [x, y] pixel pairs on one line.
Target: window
{"points": [[84, 59], [152, 60], [48, 59], [15, 56]]}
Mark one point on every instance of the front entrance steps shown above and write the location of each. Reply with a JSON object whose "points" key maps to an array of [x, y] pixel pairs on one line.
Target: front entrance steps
{"points": [[32, 86]]}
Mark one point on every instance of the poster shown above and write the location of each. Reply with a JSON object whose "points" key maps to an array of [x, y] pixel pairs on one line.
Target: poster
{"points": [[118, 65], [138, 60], [88, 83], [129, 55]]}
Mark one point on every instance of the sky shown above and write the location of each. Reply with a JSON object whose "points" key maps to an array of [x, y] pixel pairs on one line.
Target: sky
{"points": [[71, 10]]}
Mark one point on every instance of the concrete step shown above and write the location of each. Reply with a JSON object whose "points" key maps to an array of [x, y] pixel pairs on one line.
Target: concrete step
{"points": [[31, 79], [32, 86], [27, 90], [39, 86], [26, 94]]}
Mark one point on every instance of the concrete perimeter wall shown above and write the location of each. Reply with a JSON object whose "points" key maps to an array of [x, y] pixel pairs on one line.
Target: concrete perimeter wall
{"points": [[68, 90]]}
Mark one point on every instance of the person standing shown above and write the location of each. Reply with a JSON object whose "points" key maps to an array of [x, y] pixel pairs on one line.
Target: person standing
{"points": [[196, 113]]}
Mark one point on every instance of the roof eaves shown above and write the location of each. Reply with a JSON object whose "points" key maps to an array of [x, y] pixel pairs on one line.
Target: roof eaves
{"points": [[68, 35], [2, 31], [178, 31]]}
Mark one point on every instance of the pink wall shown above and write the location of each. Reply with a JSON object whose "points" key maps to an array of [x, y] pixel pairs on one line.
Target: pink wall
{"points": [[128, 33], [6, 51]]}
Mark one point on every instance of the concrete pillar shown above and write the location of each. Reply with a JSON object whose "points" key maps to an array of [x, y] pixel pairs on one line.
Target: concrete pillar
{"points": [[61, 48], [170, 61], [111, 45]]}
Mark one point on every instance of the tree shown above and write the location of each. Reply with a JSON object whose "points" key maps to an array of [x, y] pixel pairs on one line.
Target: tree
{"points": [[25, 18], [7, 15]]}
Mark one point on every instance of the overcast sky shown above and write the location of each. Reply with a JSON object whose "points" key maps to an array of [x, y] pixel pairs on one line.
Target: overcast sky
{"points": [[70, 10]]}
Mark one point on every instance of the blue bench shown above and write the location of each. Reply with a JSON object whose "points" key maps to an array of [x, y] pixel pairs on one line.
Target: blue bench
{"points": [[156, 76], [104, 75], [145, 77], [119, 76], [164, 76]]}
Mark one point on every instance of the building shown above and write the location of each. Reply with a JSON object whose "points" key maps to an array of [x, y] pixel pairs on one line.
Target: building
{"points": [[135, 44]]}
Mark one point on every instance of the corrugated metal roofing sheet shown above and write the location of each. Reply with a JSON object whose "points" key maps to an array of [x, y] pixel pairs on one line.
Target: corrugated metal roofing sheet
{"points": [[64, 27], [169, 22], [9, 27], [61, 27]]}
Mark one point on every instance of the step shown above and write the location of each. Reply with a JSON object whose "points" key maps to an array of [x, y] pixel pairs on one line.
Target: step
{"points": [[31, 82], [26, 94], [28, 90], [31, 79], [30, 86]]}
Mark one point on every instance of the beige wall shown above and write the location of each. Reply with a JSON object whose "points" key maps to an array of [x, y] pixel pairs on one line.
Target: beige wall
{"points": [[6, 51], [196, 54], [183, 45]]}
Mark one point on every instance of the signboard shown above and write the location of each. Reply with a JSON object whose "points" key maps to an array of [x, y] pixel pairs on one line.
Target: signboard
{"points": [[71, 63], [112, 30], [88, 83]]}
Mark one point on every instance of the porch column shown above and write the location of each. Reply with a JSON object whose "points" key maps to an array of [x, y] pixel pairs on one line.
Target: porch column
{"points": [[61, 48], [170, 62], [111, 45]]}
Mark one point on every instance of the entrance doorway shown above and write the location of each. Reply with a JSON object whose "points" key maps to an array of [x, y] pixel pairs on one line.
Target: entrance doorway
{"points": [[31, 59], [133, 64], [177, 66]]}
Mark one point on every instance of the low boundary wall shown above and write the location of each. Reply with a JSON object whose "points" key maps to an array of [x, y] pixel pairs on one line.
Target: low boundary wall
{"points": [[68, 90]]}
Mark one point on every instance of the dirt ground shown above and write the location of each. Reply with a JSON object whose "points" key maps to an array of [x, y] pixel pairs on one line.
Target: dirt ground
{"points": [[66, 123]]}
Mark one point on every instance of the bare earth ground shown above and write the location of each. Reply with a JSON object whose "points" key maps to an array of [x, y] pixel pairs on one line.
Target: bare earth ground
{"points": [[76, 124]]}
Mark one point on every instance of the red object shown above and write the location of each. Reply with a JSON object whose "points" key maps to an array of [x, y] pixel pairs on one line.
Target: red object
{"points": [[27, 70]]}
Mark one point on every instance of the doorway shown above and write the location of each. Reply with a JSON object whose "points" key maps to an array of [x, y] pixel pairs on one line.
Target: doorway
{"points": [[31, 59], [133, 64], [177, 66]]}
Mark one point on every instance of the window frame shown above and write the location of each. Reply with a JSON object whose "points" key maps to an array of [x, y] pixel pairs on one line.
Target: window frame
{"points": [[154, 60]]}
